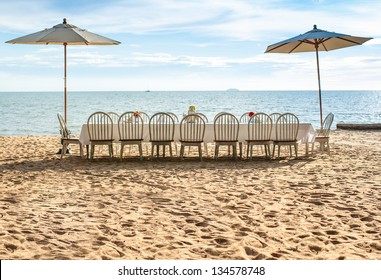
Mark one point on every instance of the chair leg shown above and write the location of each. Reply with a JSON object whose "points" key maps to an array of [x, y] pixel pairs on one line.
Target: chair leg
{"points": [[63, 149], [110, 150], [199, 152], [80, 150], [152, 148], [206, 149], [170, 149], [140, 151], [235, 152], [121, 150], [157, 150], [181, 151], [216, 151], [273, 150], [296, 150], [92, 152]]}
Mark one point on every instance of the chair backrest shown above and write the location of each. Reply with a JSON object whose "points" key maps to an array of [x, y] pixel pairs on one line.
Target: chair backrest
{"points": [[65, 132], [324, 132], [259, 127], [114, 116], [100, 126], [218, 114], [274, 117], [174, 116], [144, 116], [161, 127], [226, 127], [192, 128], [130, 126], [287, 127], [203, 116], [244, 117]]}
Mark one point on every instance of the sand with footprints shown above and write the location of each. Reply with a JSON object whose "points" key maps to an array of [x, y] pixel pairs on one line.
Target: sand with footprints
{"points": [[318, 207]]}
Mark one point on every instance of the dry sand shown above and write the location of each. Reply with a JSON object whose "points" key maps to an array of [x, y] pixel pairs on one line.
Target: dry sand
{"points": [[319, 207]]}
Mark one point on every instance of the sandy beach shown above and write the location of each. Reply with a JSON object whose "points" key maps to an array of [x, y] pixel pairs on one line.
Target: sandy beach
{"points": [[318, 207]]}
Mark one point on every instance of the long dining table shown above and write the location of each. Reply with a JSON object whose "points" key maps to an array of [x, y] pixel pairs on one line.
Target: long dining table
{"points": [[306, 134]]}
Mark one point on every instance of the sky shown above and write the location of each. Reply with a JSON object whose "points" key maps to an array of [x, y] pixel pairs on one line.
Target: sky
{"points": [[189, 45]]}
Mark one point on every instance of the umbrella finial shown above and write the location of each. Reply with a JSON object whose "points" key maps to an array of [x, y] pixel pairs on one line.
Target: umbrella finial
{"points": [[64, 21], [315, 27]]}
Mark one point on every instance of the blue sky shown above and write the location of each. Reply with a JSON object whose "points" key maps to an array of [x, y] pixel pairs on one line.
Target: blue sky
{"points": [[189, 45]]}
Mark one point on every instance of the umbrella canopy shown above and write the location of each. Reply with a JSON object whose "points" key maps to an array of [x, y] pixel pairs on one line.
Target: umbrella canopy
{"points": [[316, 40], [64, 34]]}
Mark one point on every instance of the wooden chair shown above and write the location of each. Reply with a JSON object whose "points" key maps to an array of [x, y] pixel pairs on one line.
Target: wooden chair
{"points": [[259, 129], [226, 128], [274, 117], [66, 137], [286, 131], [114, 116], [130, 129], [192, 130], [161, 132], [205, 118], [218, 114], [100, 128], [322, 136], [174, 116], [144, 116], [244, 118]]}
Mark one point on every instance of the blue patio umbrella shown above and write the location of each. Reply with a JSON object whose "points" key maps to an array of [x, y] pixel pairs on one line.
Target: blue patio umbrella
{"points": [[316, 40]]}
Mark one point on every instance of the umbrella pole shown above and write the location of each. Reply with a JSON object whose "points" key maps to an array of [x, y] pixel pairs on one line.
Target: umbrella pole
{"points": [[65, 99], [318, 73]]}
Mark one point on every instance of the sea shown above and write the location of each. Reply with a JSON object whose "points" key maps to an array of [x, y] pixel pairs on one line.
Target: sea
{"points": [[35, 113]]}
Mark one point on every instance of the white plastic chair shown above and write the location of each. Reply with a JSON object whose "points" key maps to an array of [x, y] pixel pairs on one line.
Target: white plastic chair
{"points": [[322, 136], [66, 137]]}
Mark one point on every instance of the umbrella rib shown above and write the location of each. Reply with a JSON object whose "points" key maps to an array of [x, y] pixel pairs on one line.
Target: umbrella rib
{"points": [[276, 47], [350, 41], [300, 42]]}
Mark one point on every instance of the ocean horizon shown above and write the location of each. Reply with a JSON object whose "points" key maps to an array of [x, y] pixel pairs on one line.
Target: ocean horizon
{"points": [[35, 113]]}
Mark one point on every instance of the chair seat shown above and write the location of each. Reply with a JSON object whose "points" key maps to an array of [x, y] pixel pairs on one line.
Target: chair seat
{"points": [[161, 141], [131, 140], [321, 138], [100, 142], [70, 140], [259, 142], [290, 142], [189, 142], [224, 141]]}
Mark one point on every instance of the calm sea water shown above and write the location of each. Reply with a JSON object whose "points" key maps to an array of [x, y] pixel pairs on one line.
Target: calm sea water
{"points": [[35, 113]]}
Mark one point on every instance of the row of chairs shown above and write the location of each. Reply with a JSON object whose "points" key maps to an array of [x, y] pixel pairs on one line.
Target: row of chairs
{"points": [[192, 130], [244, 118], [145, 116]]}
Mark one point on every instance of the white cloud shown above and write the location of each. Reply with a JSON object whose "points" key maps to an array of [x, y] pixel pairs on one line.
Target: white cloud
{"points": [[236, 19]]}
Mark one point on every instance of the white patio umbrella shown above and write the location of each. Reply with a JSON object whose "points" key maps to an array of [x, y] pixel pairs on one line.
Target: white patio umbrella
{"points": [[316, 40], [64, 34]]}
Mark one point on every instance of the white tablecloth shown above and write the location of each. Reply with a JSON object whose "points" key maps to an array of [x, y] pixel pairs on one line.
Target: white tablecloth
{"points": [[306, 133]]}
